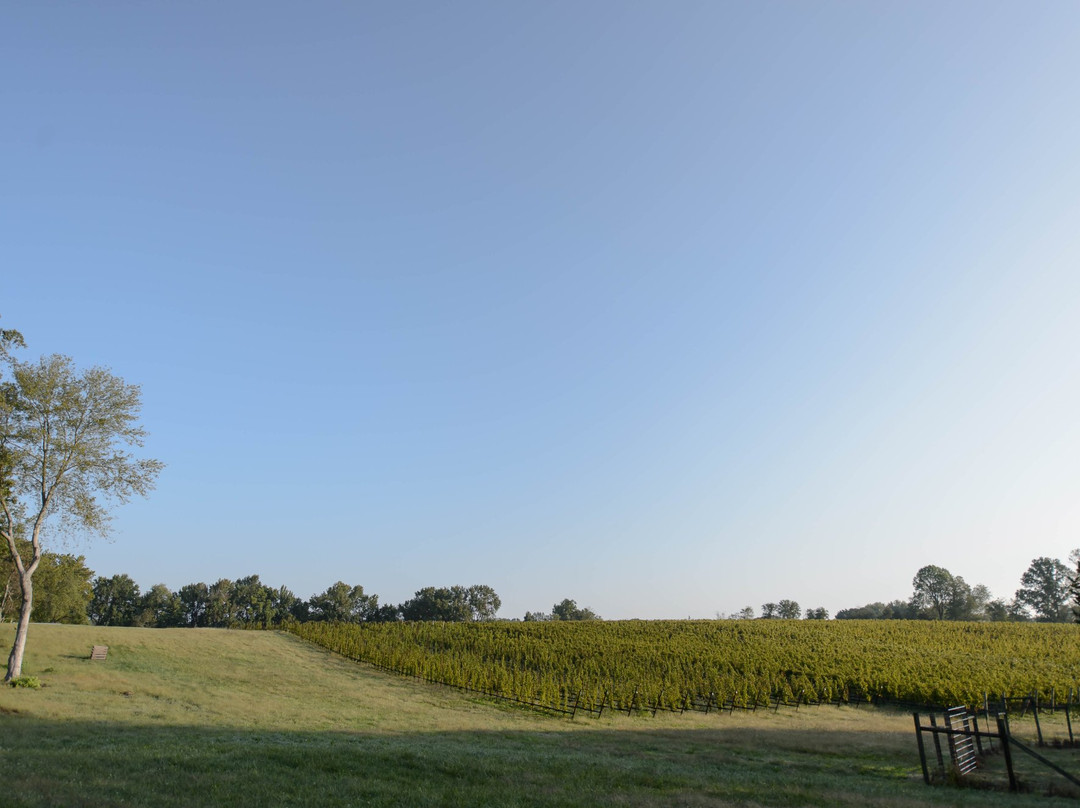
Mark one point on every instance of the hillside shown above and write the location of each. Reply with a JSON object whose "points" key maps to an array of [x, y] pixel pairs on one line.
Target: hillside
{"points": [[213, 717]]}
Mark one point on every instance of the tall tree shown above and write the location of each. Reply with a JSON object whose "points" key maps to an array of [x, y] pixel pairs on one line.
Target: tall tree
{"points": [[63, 589], [455, 604], [116, 601], [64, 453], [219, 604], [569, 610], [252, 602], [935, 591], [1074, 585], [788, 610], [483, 602], [343, 603], [160, 608], [981, 598], [194, 603], [961, 604], [1044, 587]]}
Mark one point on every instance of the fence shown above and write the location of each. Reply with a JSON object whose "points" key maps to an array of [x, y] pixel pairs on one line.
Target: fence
{"points": [[964, 741]]}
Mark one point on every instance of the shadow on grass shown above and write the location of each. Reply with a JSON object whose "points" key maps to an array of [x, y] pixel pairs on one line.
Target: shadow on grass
{"points": [[92, 764]]}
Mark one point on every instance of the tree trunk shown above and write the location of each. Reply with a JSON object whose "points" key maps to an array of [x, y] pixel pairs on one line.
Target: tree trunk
{"points": [[16, 659]]}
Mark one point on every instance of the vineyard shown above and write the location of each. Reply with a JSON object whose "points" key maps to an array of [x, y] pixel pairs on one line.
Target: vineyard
{"points": [[627, 665]]}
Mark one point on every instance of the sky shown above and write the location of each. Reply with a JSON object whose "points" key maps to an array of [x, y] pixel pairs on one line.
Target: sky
{"points": [[669, 308]]}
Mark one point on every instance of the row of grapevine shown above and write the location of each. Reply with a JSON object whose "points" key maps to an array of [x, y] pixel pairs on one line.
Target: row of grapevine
{"points": [[671, 663]]}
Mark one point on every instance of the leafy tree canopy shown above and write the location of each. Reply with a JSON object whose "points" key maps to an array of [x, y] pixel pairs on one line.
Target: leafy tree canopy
{"points": [[569, 610]]}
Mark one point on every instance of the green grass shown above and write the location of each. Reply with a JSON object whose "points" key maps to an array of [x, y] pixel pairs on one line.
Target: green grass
{"points": [[212, 717]]}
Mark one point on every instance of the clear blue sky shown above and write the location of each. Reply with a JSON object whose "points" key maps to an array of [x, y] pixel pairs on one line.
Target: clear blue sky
{"points": [[669, 308]]}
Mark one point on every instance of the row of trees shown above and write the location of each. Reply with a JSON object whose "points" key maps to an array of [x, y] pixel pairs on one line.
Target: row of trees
{"points": [[1049, 593], [68, 592], [249, 603], [784, 610], [567, 609]]}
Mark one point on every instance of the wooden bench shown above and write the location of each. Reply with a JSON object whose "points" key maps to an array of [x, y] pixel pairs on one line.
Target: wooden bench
{"points": [[99, 652]]}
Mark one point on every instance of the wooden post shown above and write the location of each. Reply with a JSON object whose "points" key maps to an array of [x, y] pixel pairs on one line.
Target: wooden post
{"points": [[971, 721], [937, 744], [1003, 733], [1068, 718], [633, 698], [1035, 712], [922, 749], [798, 700]]}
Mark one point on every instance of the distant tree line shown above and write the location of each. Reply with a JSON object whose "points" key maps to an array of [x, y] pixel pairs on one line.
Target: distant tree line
{"points": [[565, 610], [67, 592], [1049, 593], [784, 610]]}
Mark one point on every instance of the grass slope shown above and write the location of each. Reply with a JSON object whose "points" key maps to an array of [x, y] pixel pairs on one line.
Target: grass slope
{"points": [[212, 717]]}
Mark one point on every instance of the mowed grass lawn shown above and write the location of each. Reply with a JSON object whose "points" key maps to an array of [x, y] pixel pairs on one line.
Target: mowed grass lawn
{"points": [[211, 717]]}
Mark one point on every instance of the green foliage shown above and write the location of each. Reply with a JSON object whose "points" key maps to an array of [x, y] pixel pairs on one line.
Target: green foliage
{"points": [[784, 610], [194, 602], [62, 589], [116, 601], [1044, 587], [160, 608], [670, 662], [789, 610], [935, 591], [65, 436], [343, 603], [10, 338], [569, 610], [455, 604], [25, 681], [245, 603], [1074, 586]]}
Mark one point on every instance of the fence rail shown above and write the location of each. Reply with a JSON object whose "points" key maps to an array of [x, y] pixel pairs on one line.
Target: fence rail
{"points": [[964, 742]]}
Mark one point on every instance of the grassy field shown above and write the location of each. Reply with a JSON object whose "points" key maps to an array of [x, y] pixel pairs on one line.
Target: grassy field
{"points": [[211, 717]]}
